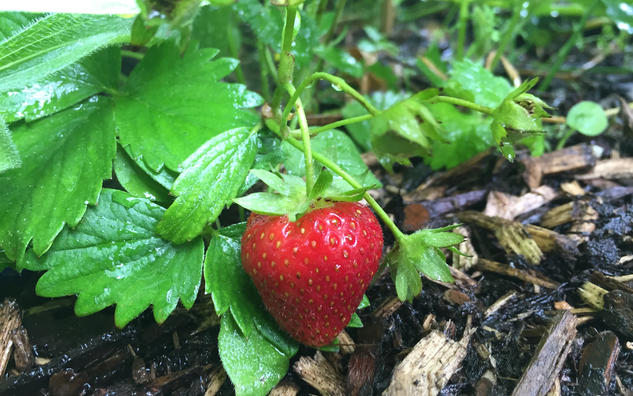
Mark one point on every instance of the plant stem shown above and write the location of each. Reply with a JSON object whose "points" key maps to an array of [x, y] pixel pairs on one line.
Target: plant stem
{"points": [[461, 34], [347, 121], [261, 48], [235, 53], [338, 11], [562, 54], [465, 103], [132, 54], [334, 80], [399, 235], [508, 34], [305, 135], [271, 65]]}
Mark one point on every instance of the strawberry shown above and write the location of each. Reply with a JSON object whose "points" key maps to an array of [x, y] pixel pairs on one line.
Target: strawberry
{"points": [[312, 273]]}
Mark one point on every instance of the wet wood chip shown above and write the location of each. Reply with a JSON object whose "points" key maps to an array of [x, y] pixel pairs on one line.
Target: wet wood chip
{"points": [[549, 357], [464, 263], [572, 188], [387, 308], [568, 159], [618, 168], [500, 303], [319, 373], [429, 366], [593, 295], [503, 269], [597, 363], [509, 206], [284, 388], [216, 379], [512, 235], [22, 351], [548, 241], [10, 319]]}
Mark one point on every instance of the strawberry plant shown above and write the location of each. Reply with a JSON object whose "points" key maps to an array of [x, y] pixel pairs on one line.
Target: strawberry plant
{"points": [[183, 144]]}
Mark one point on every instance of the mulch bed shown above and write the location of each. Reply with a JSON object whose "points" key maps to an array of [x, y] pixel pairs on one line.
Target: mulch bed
{"points": [[543, 301]]}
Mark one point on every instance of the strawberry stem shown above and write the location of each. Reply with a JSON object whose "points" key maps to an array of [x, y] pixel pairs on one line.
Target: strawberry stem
{"points": [[305, 136], [399, 235]]}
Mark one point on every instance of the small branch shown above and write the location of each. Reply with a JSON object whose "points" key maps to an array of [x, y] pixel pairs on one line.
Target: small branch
{"points": [[465, 103], [315, 131], [461, 35], [487, 265], [334, 80]]}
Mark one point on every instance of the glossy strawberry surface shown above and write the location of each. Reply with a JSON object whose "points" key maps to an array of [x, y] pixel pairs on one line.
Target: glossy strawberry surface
{"points": [[312, 273]]}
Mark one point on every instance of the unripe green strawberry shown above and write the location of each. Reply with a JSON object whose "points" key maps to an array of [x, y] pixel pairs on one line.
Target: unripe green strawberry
{"points": [[312, 273]]}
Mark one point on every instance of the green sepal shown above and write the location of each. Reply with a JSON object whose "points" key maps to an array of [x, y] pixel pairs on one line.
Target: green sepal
{"points": [[332, 347], [355, 322], [420, 253], [322, 183], [272, 204], [517, 118], [364, 303]]}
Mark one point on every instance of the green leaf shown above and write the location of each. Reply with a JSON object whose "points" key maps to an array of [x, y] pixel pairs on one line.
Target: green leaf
{"points": [[54, 42], [13, 22], [341, 60], [620, 12], [211, 27], [142, 33], [360, 131], [136, 181], [440, 239], [166, 129], [471, 81], [96, 73], [587, 118], [165, 177], [405, 130], [255, 357], [228, 284], [9, 156], [253, 364], [338, 147], [467, 133], [5, 262], [211, 179], [355, 321], [322, 183], [115, 256], [65, 158]]}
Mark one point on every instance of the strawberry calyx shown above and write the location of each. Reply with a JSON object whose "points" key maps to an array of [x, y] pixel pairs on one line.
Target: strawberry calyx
{"points": [[288, 194], [420, 253]]}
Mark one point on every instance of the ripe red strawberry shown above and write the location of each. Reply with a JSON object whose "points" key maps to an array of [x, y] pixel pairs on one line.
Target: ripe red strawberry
{"points": [[312, 273]]}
